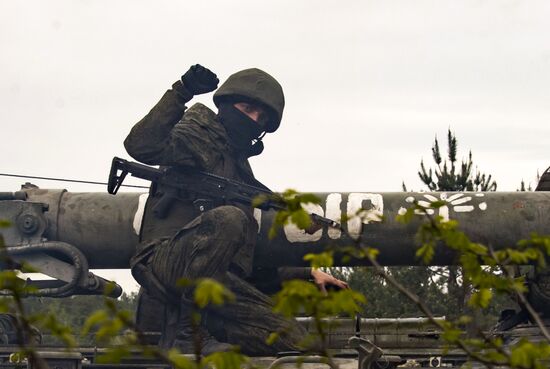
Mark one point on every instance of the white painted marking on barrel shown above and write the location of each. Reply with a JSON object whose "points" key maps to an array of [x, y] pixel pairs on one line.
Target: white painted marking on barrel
{"points": [[138, 216], [258, 217], [295, 234], [480, 195], [455, 201], [454, 197], [334, 212], [432, 198], [463, 209], [426, 205], [461, 201], [358, 217], [444, 213]]}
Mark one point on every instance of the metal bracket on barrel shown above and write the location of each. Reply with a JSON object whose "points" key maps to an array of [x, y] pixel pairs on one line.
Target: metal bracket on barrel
{"points": [[369, 353], [26, 244]]}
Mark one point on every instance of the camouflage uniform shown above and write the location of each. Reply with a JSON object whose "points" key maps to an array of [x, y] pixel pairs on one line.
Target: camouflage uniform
{"points": [[217, 243]]}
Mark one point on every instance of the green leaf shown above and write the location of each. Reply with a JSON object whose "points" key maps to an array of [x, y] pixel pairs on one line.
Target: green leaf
{"points": [[464, 319], [278, 222], [406, 217], [527, 354], [323, 259], [437, 204], [113, 355], [109, 329], [372, 253], [225, 360], [297, 296], [301, 219], [209, 291], [451, 335], [259, 200], [425, 252], [273, 337], [97, 318], [481, 298], [180, 361]]}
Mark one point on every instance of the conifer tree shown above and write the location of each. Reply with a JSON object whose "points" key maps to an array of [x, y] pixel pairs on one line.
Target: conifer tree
{"points": [[449, 175]]}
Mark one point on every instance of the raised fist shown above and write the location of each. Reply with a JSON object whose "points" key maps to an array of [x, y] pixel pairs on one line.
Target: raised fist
{"points": [[200, 80]]}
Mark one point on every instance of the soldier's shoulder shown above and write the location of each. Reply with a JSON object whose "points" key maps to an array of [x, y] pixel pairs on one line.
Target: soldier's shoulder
{"points": [[202, 119], [201, 113]]}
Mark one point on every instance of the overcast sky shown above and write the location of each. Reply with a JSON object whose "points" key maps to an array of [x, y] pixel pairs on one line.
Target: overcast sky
{"points": [[368, 84]]}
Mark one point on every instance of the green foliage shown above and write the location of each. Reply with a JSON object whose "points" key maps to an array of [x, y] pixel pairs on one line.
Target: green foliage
{"points": [[299, 297], [449, 175], [485, 271], [482, 268], [210, 292], [225, 360], [112, 326], [384, 302], [73, 312], [303, 297], [179, 360], [322, 259], [115, 328], [27, 325], [527, 354], [481, 298], [292, 212], [110, 322]]}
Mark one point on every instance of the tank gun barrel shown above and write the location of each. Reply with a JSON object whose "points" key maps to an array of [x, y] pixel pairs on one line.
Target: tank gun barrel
{"points": [[105, 228]]}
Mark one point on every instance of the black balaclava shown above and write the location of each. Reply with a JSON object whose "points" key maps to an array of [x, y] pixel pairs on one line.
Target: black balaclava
{"points": [[244, 133]]}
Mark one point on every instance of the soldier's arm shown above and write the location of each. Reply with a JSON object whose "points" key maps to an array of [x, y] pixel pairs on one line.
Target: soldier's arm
{"points": [[149, 138], [153, 139], [288, 273]]}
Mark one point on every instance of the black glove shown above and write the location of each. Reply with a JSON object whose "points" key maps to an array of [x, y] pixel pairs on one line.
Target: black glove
{"points": [[200, 80]]}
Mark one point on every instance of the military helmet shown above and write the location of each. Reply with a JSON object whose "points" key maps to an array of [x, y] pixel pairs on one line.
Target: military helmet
{"points": [[256, 85]]}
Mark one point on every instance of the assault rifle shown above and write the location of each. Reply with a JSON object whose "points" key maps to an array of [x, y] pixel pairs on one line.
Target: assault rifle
{"points": [[205, 188]]}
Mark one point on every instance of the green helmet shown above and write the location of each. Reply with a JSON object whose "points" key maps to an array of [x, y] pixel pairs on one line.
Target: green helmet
{"points": [[256, 85]]}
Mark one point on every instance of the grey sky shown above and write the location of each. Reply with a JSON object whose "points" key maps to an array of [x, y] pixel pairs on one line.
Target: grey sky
{"points": [[368, 84]]}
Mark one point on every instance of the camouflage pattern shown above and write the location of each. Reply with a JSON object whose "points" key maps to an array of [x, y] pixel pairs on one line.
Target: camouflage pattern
{"points": [[205, 248], [257, 85], [217, 243], [167, 137]]}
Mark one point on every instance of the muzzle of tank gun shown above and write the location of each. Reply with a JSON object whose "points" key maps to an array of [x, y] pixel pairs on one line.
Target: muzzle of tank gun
{"points": [[17, 195]]}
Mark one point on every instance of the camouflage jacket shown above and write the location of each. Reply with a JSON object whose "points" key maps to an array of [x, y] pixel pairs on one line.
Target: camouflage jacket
{"points": [[169, 135]]}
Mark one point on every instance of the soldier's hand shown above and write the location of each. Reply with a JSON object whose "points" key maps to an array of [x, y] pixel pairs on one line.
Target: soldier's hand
{"points": [[200, 80], [324, 280]]}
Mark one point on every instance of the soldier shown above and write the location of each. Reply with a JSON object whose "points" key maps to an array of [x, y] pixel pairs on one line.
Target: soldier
{"points": [[208, 237]]}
